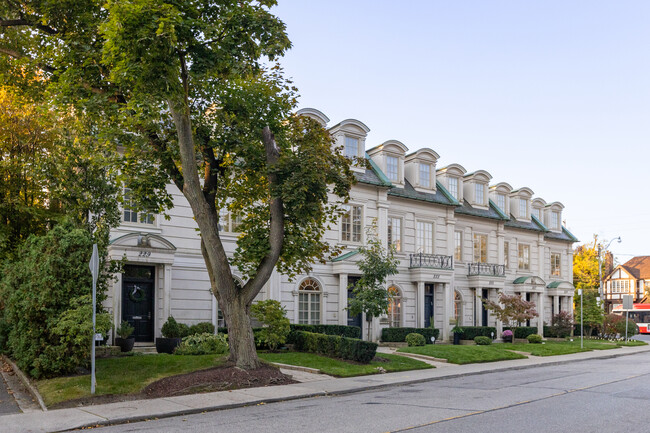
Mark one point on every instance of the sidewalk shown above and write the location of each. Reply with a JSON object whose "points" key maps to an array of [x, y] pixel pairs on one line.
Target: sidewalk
{"points": [[132, 411]]}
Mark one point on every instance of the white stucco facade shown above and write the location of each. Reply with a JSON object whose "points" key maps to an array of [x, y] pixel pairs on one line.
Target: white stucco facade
{"points": [[460, 237]]}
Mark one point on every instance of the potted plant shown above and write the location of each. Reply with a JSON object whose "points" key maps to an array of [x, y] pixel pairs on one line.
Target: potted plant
{"points": [[124, 331], [172, 335], [507, 336], [457, 332]]}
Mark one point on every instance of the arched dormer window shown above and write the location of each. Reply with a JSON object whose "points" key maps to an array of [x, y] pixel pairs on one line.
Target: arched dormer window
{"points": [[389, 157], [451, 177], [420, 169], [476, 188], [309, 297]]}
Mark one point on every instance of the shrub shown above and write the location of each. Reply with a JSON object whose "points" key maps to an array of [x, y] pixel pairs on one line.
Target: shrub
{"points": [[124, 330], [614, 326], [173, 329], [335, 346], [276, 328], [201, 328], [507, 333], [534, 339], [523, 331], [202, 344], [415, 339], [469, 332], [561, 324], [340, 330], [398, 335], [46, 310], [481, 340]]}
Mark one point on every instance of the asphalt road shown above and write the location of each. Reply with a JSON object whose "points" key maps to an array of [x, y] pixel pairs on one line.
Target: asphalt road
{"points": [[607, 395]]}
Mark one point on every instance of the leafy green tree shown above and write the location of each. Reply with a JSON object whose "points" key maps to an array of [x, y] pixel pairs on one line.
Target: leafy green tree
{"points": [[593, 314], [370, 293], [182, 88], [585, 264], [511, 309], [276, 327]]}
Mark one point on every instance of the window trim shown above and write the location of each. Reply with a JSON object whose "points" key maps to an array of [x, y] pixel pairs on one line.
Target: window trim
{"points": [[431, 171], [417, 236], [154, 216], [457, 187], [389, 233], [458, 245], [520, 259], [487, 252], [559, 265], [479, 187], [351, 216], [345, 145], [310, 293], [397, 178], [392, 322]]}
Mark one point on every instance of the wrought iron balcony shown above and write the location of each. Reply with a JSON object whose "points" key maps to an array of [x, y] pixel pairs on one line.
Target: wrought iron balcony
{"points": [[435, 261], [486, 269]]}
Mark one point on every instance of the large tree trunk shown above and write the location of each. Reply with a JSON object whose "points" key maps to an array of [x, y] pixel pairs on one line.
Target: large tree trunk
{"points": [[234, 302]]}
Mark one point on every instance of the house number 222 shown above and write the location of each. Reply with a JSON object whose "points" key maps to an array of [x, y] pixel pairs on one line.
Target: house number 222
{"points": [[144, 254]]}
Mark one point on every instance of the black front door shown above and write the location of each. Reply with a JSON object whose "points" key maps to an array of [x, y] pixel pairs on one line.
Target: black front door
{"points": [[528, 299], [428, 304], [137, 300], [484, 311], [353, 320]]}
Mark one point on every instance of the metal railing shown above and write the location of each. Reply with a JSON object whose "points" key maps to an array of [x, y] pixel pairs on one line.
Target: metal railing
{"points": [[435, 261], [486, 269]]}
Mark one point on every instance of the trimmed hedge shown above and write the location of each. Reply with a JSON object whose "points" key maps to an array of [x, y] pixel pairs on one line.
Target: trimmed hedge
{"points": [[522, 331], [334, 346], [552, 331], [340, 330], [471, 332], [398, 335]]}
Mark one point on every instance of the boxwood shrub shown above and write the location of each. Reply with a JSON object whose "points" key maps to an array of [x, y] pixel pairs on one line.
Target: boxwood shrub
{"points": [[471, 332], [481, 340], [415, 339], [398, 335], [334, 346], [534, 339]]}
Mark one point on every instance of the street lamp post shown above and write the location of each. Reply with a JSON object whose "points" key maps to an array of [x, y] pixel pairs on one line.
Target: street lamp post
{"points": [[600, 270]]}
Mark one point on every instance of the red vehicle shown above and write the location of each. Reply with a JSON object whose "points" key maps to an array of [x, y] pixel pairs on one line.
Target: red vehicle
{"points": [[640, 313]]}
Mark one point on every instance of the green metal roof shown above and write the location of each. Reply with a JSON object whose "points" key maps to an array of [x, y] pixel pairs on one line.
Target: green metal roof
{"points": [[446, 193], [380, 174], [520, 280], [539, 223], [556, 284], [346, 256], [498, 210]]}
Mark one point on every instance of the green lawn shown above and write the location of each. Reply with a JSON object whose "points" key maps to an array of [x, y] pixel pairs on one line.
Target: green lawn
{"points": [[340, 368], [127, 375], [552, 348], [463, 354]]}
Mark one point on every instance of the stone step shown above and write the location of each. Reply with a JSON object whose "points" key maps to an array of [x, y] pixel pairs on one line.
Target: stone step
{"points": [[145, 349]]}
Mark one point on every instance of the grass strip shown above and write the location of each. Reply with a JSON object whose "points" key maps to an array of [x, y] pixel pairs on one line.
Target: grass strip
{"points": [[341, 368], [125, 375], [464, 354]]}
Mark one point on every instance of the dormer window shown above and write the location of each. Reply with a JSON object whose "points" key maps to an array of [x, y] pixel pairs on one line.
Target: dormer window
{"points": [[501, 201], [351, 147], [392, 168], [537, 213], [453, 187], [523, 208], [479, 193], [555, 220], [425, 175]]}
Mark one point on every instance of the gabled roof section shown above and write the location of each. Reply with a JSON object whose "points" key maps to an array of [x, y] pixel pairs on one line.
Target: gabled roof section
{"points": [[539, 223], [492, 212], [441, 196], [373, 175], [497, 210], [346, 256], [565, 236], [638, 266]]}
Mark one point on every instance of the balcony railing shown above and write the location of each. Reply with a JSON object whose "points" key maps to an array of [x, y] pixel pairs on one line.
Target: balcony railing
{"points": [[435, 261], [486, 269]]}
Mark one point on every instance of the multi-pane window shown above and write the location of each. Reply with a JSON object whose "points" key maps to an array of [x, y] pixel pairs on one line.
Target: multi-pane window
{"points": [[425, 238], [309, 302], [394, 308], [395, 233], [537, 213], [555, 220], [425, 175], [480, 248], [523, 208], [458, 246], [351, 223], [229, 221], [555, 264], [453, 187], [524, 257], [458, 308], [351, 147], [501, 201], [130, 215], [479, 192], [392, 168], [506, 253]]}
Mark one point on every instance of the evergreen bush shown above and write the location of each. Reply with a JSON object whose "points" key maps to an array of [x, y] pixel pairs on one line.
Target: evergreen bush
{"points": [[534, 339], [470, 332], [335, 346], [202, 344], [415, 339], [276, 329], [398, 335], [482, 340]]}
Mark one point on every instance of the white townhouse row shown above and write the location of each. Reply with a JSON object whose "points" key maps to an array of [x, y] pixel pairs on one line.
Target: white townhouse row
{"points": [[459, 238]]}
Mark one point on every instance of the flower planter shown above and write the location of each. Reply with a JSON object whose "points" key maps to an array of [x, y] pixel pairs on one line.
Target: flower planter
{"points": [[457, 336], [125, 344], [507, 339], [167, 345]]}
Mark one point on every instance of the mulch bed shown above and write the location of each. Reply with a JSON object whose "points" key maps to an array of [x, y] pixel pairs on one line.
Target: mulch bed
{"points": [[222, 378]]}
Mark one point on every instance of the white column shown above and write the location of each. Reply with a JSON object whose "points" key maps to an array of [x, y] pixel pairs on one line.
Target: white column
{"points": [[557, 304], [419, 305], [448, 309], [540, 319], [167, 298], [343, 299]]}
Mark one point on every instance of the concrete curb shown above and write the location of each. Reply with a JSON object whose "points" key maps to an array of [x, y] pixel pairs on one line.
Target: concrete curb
{"points": [[297, 368], [28, 384], [256, 396]]}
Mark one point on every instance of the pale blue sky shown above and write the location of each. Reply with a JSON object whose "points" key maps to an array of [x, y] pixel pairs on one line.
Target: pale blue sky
{"points": [[552, 95]]}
